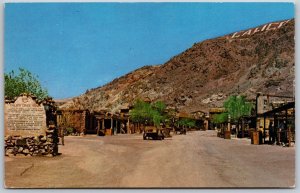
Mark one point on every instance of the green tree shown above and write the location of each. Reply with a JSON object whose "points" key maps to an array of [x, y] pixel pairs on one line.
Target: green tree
{"points": [[236, 106], [23, 82], [186, 122], [159, 112], [146, 113], [159, 106], [137, 113], [220, 118]]}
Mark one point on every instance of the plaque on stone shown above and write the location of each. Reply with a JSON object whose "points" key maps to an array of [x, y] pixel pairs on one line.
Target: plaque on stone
{"points": [[24, 117]]}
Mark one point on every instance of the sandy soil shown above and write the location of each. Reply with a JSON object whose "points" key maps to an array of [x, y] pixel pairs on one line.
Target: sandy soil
{"points": [[198, 159]]}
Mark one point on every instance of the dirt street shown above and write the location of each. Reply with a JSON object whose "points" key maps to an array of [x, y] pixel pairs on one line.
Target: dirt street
{"points": [[198, 159]]}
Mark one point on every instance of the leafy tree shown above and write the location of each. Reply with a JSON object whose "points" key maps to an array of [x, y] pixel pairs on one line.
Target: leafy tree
{"points": [[237, 106], [159, 112], [137, 113], [145, 113], [159, 106], [23, 82], [220, 118], [186, 122], [157, 118]]}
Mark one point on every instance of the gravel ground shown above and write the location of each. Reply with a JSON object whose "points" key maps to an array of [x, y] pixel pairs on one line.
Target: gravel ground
{"points": [[198, 159]]}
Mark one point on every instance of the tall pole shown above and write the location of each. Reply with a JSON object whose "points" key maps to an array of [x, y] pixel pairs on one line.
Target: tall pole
{"points": [[103, 125], [128, 126], [98, 126], [265, 129], [116, 130], [256, 109], [228, 126], [112, 124], [287, 130]]}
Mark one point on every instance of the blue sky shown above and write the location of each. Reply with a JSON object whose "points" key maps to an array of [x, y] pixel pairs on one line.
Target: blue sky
{"points": [[73, 47]]}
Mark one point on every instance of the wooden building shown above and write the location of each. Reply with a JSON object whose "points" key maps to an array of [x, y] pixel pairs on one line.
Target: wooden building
{"points": [[201, 119], [281, 125], [97, 122], [212, 112], [73, 118], [275, 113]]}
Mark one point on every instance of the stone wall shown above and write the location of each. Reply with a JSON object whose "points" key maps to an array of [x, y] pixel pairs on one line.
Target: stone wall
{"points": [[32, 145]]}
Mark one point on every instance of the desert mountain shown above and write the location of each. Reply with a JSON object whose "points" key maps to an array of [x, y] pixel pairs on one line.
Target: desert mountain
{"points": [[260, 59]]}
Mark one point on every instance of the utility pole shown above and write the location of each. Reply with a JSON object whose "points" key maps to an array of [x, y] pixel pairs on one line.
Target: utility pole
{"points": [[256, 110]]}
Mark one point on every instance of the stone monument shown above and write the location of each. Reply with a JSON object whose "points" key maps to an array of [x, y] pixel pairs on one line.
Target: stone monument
{"points": [[30, 126], [25, 117]]}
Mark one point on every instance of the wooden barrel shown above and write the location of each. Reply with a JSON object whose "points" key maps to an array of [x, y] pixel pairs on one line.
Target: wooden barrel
{"points": [[227, 135], [255, 137]]}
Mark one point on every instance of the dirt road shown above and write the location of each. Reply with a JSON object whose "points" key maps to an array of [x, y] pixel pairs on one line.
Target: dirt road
{"points": [[198, 159]]}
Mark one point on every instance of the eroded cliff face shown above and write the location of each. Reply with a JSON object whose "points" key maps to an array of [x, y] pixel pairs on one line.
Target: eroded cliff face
{"points": [[259, 59]]}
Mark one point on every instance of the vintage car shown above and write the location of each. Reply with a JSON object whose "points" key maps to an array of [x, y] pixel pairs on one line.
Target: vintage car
{"points": [[153, 132]]}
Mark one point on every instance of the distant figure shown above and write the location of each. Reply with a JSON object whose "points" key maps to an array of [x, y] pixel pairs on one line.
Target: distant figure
{"points": [[272, 133], [281, 126], [115, 130], [97, 130], [283, 132], [261, 130], [122, 128]]}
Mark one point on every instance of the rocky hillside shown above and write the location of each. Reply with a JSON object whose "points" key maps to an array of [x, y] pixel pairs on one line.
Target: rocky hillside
{"points": [[260, 59]]}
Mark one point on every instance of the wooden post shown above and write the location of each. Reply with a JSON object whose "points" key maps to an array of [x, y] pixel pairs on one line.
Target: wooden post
{"points": [[98, 126], [84, 125], [289, 135], [227, 133], [256, 109], [270, 141], [286, 128], [264, 129], [279, 137], [117, 127], [237, 128], [128, 126], [275, 126], [242, 128], [103, 125], [229, 125], [112, 125]]}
